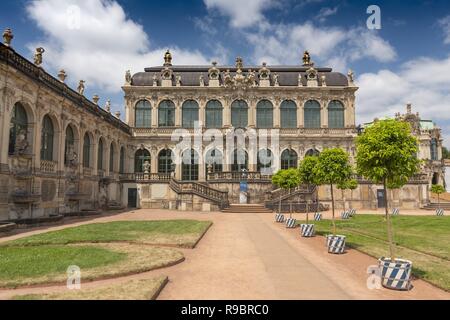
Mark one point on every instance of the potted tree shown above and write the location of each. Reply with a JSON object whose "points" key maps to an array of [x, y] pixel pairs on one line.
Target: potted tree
{"points": [[386, 154], [333, 168], [286, 180], [306, 173], [351, 184], [438, 189]]}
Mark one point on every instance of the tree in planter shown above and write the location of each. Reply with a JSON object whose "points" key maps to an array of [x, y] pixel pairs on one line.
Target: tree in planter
{"points": [[333, 168], [285, 180], [306, 173], [438, 189], [387, 154], [351, 184]]}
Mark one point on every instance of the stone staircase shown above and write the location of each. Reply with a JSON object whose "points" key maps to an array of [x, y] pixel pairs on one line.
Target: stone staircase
{"points": [[216, 196], [247, 208], [435, 205]]}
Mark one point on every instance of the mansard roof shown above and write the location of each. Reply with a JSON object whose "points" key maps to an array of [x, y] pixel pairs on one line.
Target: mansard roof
{"points": [[288, 75]]}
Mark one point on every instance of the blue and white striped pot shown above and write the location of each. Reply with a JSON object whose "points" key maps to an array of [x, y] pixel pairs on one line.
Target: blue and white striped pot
{"points": [[336, 244], [279, 218], [291, 223], [307, 230], [439, 212], [317, 216], [345, 215], [396, 274]]}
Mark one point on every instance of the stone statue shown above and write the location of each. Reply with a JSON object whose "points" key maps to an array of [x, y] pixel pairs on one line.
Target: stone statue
{"points": [[108, 106], [239, 63], [350, 76], [251, 78], [38, 56], [155, 80], [324, 80], [202, 81], [306, 59], [21, 143], [227, 77], [300, 83], [128, 77], [62, 75], [146, 166], [275, 80], [168, 58], [7, 37], [81, 87], [178, 80]]}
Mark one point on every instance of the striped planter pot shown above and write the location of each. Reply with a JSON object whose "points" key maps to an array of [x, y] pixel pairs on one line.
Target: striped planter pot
{"points": [[345, 215], [291, 223], [439, 212], [336, 244], [307, 230], [395, 211], [279, 218], [317, 216], [352, 212], [395, 275]]}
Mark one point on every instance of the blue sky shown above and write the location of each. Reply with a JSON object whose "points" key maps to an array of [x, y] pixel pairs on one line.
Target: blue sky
{"points": [[406, 61]]}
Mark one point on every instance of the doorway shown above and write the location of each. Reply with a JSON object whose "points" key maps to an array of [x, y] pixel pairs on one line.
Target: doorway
{"points": [[132, 198], [381, 197]]}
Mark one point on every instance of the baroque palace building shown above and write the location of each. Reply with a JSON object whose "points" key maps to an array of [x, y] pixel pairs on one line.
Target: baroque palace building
{"points": [[194, 138]]}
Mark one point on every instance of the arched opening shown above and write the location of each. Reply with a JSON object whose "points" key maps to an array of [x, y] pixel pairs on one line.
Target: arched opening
{"points": [[86, 151], [122, 161], [101, 150], [312, 153], [189, 170], [143, 114], [312, 114], [47, 136], [214, 114], [435, 179], [288, 111], [265, 161], [112, 150], [240, 160], [264, 114], [289, 159], [434, 150], [336, 115], [166, 114], [140, 158], [18, 126], [165, 161], [190, 113], [214, 161], [69, 146], [239, 114]]}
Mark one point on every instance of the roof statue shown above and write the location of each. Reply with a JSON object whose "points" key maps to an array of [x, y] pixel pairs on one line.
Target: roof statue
{"points": [[168, 58], [306, 59]]}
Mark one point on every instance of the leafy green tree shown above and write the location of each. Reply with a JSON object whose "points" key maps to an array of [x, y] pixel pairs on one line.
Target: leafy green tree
{"points": [[386, 154], [445, 153], [438, 189], [351, 184], [285, 180], [306, 173], [333, 169]]}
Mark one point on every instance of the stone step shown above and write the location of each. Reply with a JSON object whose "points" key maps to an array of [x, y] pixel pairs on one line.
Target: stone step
{"points": [[247, 208]]}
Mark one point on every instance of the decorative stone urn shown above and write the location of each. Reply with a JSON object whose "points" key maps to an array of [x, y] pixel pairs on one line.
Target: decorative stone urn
{"points": [[395, 274]]}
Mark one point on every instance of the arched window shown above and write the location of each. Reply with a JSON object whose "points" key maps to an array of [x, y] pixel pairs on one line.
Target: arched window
{"points": [[122, 161], [69, 146], [312, 153], [190, 113], [265, 160], [166, 114], [111, 158], [100, 155], [214, 111], [86, 151], [47, 139], [288, 111], [312, 114], [239, 114], [289, 159], [336, 114], [165, 161], [434, 150], [214, 160], [18, 124], [189, 170], [240, 160], [143, 114], [141, 156], [264, 114]]}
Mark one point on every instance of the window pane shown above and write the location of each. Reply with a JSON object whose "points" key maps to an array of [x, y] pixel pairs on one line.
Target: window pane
{"points": [[239, 114], [18, 124], [140, 158], [69, 146], [214, 111], [47, 139], [190, 166], [111, 158], [335, 115], [264, 114], [288, 111], [122, 160], [100, 155], [289, 159], [166, 114], [240, 160], [312, 114], [86, 151], [264, 161], [165, 161], [190, 113], [143, 114]]}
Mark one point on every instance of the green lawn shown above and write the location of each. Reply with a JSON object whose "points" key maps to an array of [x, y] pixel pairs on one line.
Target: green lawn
{"points": [[183, 233], [425, 240]]}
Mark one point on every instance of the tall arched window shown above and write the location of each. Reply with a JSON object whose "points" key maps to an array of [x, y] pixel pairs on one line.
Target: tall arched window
{"points": [[312, 114], [100, 154], [165, 161], [265, 160], [336, 114], [312, 153], [86, 151], [69, 146], [47, 139], [18, 124], [141, 156], [214, 111], [166, 114], [214, 160], [189, 170], [289, 159], [288, 111], [434, 149], [190, 113], [240, 160], [239, 114], [111, 158], [122, 161], [143, 114], [264, 114]]}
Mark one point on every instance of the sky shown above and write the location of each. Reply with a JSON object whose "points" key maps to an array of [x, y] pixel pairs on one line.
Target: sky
{"points": [[406, 60]]}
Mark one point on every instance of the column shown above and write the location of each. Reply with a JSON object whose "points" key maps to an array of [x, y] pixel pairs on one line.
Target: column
{"points": [[252, 113], [277, 115], [201, 115], [155, 114], [324, 113], [178, 114], [226, 114], [300, 113], [154, 161]]}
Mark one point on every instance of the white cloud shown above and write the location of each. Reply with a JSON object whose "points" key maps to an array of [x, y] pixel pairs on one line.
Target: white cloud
{"points": [[105, 45], [445, 25], [326, 12]]}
